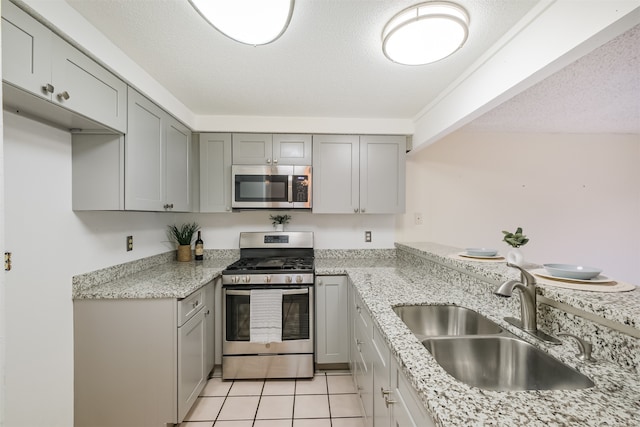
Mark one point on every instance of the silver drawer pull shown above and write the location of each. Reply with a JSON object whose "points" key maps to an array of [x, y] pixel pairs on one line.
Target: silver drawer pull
{"points": [[48, 88], [388, 402], [63, 96]]}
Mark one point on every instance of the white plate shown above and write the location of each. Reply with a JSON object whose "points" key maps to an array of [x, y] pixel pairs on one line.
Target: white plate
{"points": [[598, 279], [483, 252], [570, 271], [466, 255]]}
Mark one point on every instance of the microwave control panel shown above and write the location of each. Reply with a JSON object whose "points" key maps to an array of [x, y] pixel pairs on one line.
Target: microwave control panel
{"points": [[300, 188]]}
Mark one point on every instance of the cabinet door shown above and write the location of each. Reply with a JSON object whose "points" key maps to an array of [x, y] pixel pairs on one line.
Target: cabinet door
{"points": [[215, 172], [177, 165], [407, 409], [26, 51], [336, 174], [209, 297], [332, 342], [382, 392], [290, 149], [192, 374], [382, 174], [252, 149], [144, 159], [83, 86]]}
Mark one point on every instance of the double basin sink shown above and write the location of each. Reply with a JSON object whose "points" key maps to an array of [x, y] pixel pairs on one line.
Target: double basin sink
{"points": [[478, 352]]}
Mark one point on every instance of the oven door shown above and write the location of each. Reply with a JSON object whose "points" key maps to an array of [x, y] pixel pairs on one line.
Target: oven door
{"points": [[297, 322], [255, 187]]}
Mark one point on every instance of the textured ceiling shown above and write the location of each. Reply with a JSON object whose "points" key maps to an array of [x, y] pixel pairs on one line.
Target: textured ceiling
{"points": [[329, 63], [599, 93]]}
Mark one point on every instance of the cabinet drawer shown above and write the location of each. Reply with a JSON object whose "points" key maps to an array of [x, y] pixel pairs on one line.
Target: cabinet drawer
{"points": [[190, 305]]}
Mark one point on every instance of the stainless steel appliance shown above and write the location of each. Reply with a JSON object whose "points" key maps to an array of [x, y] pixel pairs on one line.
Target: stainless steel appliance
{"points": [[260, 187], [278, 260]]}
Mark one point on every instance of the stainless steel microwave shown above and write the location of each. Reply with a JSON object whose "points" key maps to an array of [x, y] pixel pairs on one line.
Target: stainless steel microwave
{"points": [[264, 187]]}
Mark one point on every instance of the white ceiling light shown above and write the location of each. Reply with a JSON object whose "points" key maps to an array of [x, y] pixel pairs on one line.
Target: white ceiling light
{"points": [[425, 33], [253, 22]]}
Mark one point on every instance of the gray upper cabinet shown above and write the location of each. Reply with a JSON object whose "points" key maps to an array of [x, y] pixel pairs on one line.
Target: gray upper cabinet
{"points": [[336, 173], [215, 172], [382, 174], [157, 162], [359, 174], [268, 149], [41, 63]]}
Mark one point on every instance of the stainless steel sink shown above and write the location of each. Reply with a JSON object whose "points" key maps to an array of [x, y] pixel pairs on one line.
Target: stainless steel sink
{"points": [[503, 363], [445, 320]]}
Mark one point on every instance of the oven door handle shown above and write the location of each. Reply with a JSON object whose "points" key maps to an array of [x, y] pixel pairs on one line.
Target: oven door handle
{"points": [[284, 291]]}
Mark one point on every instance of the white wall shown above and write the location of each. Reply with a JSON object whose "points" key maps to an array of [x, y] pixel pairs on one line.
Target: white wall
{"points": [[51, 243], [576, 196]]}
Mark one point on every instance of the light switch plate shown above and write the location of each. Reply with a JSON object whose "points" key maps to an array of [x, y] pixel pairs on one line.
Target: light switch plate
{"points": [[367, 236]]}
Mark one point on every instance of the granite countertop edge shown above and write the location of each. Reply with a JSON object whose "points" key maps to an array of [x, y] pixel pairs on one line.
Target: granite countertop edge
{"points": [[613, 401]]}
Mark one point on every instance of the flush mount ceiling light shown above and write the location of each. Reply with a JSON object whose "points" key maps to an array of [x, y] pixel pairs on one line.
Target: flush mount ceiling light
{"points": [[253, 22], [425, 33]]}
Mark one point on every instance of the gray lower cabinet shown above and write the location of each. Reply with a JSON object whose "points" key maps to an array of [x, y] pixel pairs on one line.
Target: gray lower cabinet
{"points": [[388, 400], [140, 362], [332, 338], [37, 61], [215, 172]]}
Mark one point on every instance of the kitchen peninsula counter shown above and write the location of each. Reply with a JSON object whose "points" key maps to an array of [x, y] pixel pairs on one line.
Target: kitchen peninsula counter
{"points": [[384, 283]]}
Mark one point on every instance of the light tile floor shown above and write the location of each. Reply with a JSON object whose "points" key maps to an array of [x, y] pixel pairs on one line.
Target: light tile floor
{"points": [[328, 399]]}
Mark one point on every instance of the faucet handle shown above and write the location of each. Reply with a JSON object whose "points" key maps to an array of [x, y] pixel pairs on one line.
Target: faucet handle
{"points": [[584, 347], [526, 277]]}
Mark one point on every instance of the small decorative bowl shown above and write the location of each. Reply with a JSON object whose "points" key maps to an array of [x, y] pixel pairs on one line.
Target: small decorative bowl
{"points": [[569, 271], [481, 252]]}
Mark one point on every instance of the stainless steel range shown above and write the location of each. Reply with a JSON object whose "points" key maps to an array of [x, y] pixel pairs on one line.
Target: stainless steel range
{"points": [[268, 308]]}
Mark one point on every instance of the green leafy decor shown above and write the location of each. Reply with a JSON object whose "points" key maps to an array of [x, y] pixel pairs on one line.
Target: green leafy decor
{"points": [[279, 219], [183, 235], [516, 239]]}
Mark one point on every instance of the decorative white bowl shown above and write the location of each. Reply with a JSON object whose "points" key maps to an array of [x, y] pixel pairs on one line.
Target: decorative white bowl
{"points": [[481, 252], [570, 271]]}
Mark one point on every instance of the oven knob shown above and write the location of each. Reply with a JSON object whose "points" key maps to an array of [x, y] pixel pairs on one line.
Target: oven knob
{"points": [[267, 279], [298, 279], [246, 279], [235, 279], [288, 279]]}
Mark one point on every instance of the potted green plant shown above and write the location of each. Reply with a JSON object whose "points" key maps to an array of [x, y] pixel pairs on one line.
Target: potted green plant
{"points": [[279, 221], [183, 236], [515, 240]]}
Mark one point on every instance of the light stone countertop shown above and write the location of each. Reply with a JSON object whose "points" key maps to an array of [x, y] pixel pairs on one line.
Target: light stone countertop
{"points": [[172, 279], [614, 401]]}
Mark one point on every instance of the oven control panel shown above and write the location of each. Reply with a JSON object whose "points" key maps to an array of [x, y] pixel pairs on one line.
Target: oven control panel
{"points": [[268, 279]]}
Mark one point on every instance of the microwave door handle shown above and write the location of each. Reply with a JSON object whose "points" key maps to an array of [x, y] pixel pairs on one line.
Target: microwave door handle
{"points": [[290, 189], [284, 292]]}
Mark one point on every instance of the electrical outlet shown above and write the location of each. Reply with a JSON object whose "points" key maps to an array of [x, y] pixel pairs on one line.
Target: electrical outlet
{"points": [[129, 243], [418, 218], [367, 236]]}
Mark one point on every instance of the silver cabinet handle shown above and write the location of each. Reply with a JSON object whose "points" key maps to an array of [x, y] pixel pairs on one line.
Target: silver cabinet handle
{"points": [[168, 206], [362, 210], [388, 401], [48, 88], [63, 96], [320, 283], [385, 392], [358, 342], [275, 161], [355, 210], [268, 161]]}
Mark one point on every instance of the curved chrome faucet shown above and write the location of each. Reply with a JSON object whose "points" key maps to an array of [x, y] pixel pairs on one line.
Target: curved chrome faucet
{"points": [[528, 321]]}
